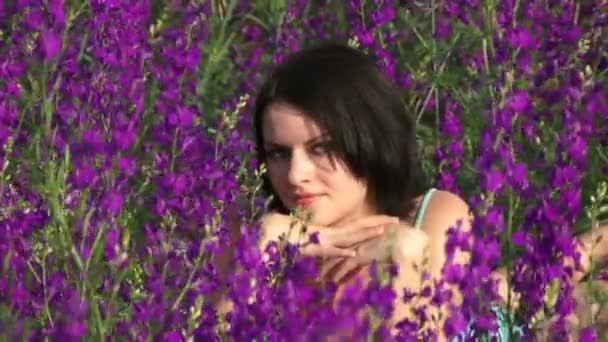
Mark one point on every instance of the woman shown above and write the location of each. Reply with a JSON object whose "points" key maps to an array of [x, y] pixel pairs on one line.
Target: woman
{"points": [[338, 144]]}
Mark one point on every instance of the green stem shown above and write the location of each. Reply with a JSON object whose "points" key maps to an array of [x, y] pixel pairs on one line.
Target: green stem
{"points": [[173, 149], [196, 267], [93, 248], [100, 326], [44, 290], [512, 208]]}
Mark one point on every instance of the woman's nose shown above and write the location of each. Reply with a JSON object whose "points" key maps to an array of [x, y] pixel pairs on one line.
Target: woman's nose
{"points": [[300, 168]]}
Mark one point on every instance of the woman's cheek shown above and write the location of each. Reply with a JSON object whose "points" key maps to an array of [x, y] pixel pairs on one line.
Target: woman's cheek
{"points": [[277, 181]]}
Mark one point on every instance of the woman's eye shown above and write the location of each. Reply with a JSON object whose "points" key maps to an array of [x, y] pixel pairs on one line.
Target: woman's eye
{"points": [[277, 154], [320, 148]]}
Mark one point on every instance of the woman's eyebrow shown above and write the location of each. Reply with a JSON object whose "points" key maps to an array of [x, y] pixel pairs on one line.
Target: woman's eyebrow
{"points": [[318, 138]]}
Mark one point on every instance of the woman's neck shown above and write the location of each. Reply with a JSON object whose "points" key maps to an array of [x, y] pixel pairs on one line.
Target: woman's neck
{"points": [[367, 210], [357, 213]]}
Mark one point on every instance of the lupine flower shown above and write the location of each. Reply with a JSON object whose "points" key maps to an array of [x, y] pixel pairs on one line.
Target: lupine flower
{"points": [[51, 44]]}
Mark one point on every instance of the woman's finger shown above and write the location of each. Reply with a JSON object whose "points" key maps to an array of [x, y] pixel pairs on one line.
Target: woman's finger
{"points": [[330, 266], [356, 232], [367, 222], [324, 251], [357, 237], [352, 227], [345, 268], [374, 249]]}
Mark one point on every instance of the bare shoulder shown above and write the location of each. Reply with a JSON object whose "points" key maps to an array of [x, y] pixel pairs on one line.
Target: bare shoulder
{"points": [[443, 211], [273, 219], [275, 224]]}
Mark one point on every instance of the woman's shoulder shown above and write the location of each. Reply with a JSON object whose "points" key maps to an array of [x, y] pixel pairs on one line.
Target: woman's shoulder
{"points": [[273, 217], [274, 224], [443, 210], [448, 199]]}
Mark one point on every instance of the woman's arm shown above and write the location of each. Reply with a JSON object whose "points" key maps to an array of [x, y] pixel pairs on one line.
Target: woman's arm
{"points": [[224, 261], [593, 248], [443, 212], [445, 208], [332, 241], [410, 252], [272, 226]]}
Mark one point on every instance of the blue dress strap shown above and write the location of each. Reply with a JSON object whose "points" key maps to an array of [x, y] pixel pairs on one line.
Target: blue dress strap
{"points": [[422, 208], [502, 334]]}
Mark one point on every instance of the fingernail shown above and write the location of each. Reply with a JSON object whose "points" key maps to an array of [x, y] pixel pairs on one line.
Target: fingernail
{"points": [[352, 253], [380, 230]]}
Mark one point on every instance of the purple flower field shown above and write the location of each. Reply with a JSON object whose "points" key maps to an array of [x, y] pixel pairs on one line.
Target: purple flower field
{"points": [[126, 144]]}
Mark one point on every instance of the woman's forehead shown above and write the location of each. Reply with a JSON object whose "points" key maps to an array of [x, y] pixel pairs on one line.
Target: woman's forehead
{"points": [[284, 123]]}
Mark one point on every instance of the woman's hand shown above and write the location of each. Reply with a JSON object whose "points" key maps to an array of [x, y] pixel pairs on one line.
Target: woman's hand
{"points": [[325, 242], [400, 244]]}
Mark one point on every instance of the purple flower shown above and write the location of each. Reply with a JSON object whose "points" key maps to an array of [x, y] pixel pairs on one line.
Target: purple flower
{"points": [[34, 18], [127, 164], [56, 8], [519, 101], [521, 37], [124, 139], [113, 202], [83, 176], [112, 243], [494, 180], [588, 335], [383, 15], [51, 44], [519, 238], [173, 336], [185, 115], [314, 238], [125, 84], [443, 29], [381, 298], [455, 324]]}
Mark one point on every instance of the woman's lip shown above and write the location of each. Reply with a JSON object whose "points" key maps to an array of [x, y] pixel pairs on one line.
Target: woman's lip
{"points": [[306, 200]]}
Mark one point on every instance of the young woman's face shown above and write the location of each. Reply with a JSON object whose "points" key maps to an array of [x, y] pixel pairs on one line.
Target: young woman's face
{"points": [[303, 174]]}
